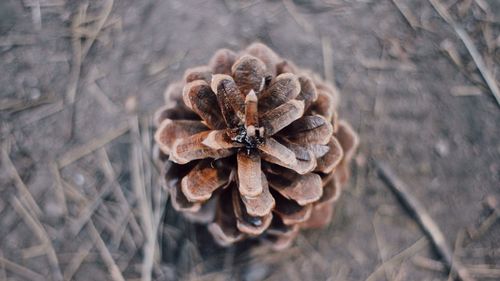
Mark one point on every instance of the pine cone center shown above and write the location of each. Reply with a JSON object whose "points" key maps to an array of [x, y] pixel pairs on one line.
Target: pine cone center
{"points": [[249, 140]]}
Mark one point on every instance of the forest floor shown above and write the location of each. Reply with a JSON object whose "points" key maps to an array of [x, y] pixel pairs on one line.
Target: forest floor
{"points": [[80, 80]]}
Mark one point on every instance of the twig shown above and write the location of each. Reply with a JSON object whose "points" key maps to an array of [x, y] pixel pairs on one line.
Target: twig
{"points": [[79, 51], [80, 151], [33, 251], [313, 254], [429, 264], [419, 213], [485, 271], [42, 235], [384, 64], [471, 48], [77, 55], [327, 59], [16, 40], [113, 269], [485, 225], [380, 246], [20, 270], [99, 25], [59, 189], [407, 15], [145, 209], [292, 10], [43, 3], [36, 15], [459, 241], [21, 186], [77, 260], [408, 252], [126, 210], [40, 114], [2, 267], [102, 98], [86, 214]]}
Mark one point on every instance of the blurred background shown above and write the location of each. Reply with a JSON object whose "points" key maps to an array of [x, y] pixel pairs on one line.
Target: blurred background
{"points": [[80, 80]]}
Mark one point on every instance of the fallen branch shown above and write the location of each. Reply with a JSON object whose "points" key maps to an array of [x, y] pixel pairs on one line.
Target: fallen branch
{"points": [[428, 225]]}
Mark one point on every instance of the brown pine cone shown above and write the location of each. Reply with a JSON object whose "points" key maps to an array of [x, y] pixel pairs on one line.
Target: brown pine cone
{"points": [[251, 145]]}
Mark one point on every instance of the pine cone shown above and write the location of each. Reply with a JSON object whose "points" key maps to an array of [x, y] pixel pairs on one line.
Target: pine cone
{"points": [[251, 145]]}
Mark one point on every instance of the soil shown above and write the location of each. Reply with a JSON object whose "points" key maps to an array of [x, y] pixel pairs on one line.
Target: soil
{"points": [[79, 86]]}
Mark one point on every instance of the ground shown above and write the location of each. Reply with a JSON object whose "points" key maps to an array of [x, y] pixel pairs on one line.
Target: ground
{"points": [[81, 79]]}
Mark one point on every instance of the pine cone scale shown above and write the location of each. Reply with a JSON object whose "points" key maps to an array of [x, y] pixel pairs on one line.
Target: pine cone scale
{"points": [[198, 96], [280, 117], [199, 184], [229, 98], [304, 190], [262, 204], [249, 73], [286, 87], [250, 181], [277, 150]]}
